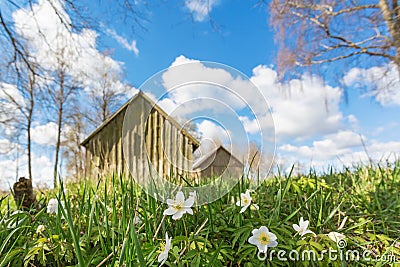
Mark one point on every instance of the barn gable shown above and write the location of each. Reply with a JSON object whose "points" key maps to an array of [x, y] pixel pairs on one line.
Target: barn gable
{"points": [[104, 146], [217, 162]]}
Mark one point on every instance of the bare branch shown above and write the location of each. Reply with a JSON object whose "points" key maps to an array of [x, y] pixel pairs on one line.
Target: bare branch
{"points": [[317, 32]]}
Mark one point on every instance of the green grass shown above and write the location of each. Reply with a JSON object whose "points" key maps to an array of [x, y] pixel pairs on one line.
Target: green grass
{"points": [[98, 224]]}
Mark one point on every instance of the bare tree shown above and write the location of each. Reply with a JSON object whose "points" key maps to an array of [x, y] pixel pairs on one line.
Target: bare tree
{"points": [[79, 17], [23, 102], [60, 95], [314, 32], [107, 93], [73, 16], [29, 92], [73, 152]]}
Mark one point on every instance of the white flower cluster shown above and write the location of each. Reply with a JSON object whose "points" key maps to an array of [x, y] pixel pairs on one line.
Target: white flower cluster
{"points": [[261, 237]]}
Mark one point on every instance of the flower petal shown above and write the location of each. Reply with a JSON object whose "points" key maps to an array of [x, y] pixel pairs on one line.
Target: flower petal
{"points": [[189, 202], [273, 244], [304, 224], [307, 232], [177, 215], [189, 210], [244, 208], [272, 236], [167, 242], [162, 257], [169, 211], [253, 240], [180, 197], [255, 232], [262, 248]]}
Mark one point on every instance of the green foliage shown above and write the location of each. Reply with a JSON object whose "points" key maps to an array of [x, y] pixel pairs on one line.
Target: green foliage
{"points": [[114, 223]]}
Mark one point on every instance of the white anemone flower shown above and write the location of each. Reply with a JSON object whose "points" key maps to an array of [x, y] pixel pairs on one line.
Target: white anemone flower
{"points": [[301, 228], [164, 250], [179, 206], [263, 239], [245, 201], [336, 237], [52, 206], [40, 229]]}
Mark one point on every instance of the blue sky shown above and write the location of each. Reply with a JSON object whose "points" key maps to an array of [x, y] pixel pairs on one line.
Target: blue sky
{"points": [[242, 39], [171, 31], [237, 34]]}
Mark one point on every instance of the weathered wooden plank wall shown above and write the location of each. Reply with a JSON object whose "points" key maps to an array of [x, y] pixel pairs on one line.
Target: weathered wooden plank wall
{"points": [[165, 144], [220, 162]]}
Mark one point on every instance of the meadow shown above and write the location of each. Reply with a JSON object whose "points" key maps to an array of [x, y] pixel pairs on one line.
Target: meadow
{"points": [[354, 220]]}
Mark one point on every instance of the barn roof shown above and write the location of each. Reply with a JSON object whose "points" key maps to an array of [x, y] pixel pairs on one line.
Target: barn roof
{"points": [[204, 158], [195, 143]]}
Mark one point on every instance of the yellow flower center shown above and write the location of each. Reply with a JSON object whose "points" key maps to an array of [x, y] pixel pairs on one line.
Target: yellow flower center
{"points": [[245, 201], [264, 239], [162, 247], [178, 206]]}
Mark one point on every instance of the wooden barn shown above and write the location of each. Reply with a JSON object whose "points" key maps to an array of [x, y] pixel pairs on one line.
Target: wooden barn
{"points": [[156, 138], [217, 162]]}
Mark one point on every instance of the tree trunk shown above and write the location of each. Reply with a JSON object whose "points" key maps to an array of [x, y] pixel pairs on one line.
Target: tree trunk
{"points": [[29, 145], [58, 144], [393, 23], [29, 125], [23, 193], [59, 125]]}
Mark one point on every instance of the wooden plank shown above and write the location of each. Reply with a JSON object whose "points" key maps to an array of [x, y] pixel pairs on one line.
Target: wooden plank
{"points": [[160, 145], [180, 154], [154, 159], [149, 139], [184, 154], [174, 149], [166, 148], [118, 149], [165, 142]]}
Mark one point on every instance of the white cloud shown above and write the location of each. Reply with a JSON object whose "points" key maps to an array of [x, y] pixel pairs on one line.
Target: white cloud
{"points": [[183, 60], [332, 146], [383, 82], [10, 92], [200, 8], [302, 107], [11, 101], [42, 171], [212, 136], [251, 126], [45, 134], [197, 86], [344, 148], [130, 46], [209, 130], [51, 40], [7, 147], [168, 105]]}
